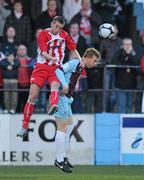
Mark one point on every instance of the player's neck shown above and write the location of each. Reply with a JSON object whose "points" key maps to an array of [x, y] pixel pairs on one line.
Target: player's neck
{"points": [[50, 30]]}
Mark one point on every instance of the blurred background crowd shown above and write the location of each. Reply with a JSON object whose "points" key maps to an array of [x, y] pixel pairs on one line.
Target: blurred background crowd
{"points": [[115, 85]]}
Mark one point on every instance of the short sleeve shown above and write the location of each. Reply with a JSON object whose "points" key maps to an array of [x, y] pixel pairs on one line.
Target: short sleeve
{"points": [[70, 65]]}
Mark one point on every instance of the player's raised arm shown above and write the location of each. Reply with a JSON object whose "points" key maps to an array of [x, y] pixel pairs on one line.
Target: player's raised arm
{"points": [[75, 54]]}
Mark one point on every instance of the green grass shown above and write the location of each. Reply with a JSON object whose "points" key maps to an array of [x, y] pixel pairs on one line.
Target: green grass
{"points": [[79, 173]]}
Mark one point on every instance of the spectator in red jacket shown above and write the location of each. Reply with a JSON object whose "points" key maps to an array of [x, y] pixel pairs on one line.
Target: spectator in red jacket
{"points": [[23, 75]]}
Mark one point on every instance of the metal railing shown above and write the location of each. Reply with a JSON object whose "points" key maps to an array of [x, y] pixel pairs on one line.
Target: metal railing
{"points": [[104, 90]]}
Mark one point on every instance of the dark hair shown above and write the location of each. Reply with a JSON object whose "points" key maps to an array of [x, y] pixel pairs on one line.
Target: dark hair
{"points": [[18, 1], [74, 22], [59, 19]]}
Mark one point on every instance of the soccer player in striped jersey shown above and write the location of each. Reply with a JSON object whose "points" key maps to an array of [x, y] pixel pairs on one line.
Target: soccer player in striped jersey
{"points": [[51, 46], [68, 75]]}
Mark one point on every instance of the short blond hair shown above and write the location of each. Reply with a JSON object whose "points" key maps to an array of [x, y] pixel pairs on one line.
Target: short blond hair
{"points": [[90, 52]]}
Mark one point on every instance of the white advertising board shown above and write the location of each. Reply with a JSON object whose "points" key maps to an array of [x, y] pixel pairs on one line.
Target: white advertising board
{"points": [[38, 148], [132, 139]]}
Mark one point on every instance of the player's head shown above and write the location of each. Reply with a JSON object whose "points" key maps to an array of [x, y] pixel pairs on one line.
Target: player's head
{"points": [[57, 24], [91, 57]]}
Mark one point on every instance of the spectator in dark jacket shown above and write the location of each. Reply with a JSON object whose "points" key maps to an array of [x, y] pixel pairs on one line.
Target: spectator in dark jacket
{"points": [[95, 81], [4, 13], [10, 75], [32, 48], [125, 78], [107, 49], [2, 56], [8, 44], [21, 23], [79, 40], [44, 19]]}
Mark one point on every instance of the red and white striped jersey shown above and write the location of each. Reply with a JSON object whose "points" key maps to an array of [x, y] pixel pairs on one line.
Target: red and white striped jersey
{"points": [[54, 45]]}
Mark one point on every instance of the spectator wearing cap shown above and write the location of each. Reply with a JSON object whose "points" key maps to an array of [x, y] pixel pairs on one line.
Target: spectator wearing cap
{"points": [[10, 77], [21, 23]]}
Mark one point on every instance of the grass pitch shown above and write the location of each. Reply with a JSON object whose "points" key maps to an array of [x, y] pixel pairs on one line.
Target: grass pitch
{"points": [[79, 173]]}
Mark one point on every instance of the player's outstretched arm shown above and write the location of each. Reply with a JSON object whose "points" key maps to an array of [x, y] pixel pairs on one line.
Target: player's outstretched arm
{"points": [[75, 54]]}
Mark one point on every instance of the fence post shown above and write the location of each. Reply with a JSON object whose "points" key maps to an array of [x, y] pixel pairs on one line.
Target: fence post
{"points": [[104, 88]]}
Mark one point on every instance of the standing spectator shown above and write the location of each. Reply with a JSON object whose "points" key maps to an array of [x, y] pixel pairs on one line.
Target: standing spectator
{"points": [[8, 43], [79, 95], [32, 48], [44, 19], [21, 23], [35, 10], [23, 75], [95, 81], [77, 38], [71, 8], [2, 56], [80, 42], [125, 78], [89, 22], [141, 96], [81, 87], [107, 49], [4, 13], [140, 76], [10, 74]]}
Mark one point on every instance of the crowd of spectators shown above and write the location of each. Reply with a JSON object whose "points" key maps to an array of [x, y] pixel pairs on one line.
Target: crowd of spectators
{"points": [[22, 20]]}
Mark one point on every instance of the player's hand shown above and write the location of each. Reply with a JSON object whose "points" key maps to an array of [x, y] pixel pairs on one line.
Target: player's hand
{"points": [[64, 91], [9, 67], [54, 60]]}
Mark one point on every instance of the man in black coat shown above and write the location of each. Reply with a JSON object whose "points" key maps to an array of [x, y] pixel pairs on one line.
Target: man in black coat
{"points": [[125, 77]]}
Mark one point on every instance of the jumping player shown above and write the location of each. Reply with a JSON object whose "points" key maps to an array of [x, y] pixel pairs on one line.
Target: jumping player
{"points": [[68, 74], [51, 46]]}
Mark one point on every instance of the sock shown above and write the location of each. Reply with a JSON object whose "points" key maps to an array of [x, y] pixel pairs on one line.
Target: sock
{"points": [[54, 99], [28, 111], [67, 137], [60, 145]]}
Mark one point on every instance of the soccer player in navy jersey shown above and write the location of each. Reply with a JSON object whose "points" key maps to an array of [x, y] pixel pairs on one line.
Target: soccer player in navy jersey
{"points": [[68, 75]]}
